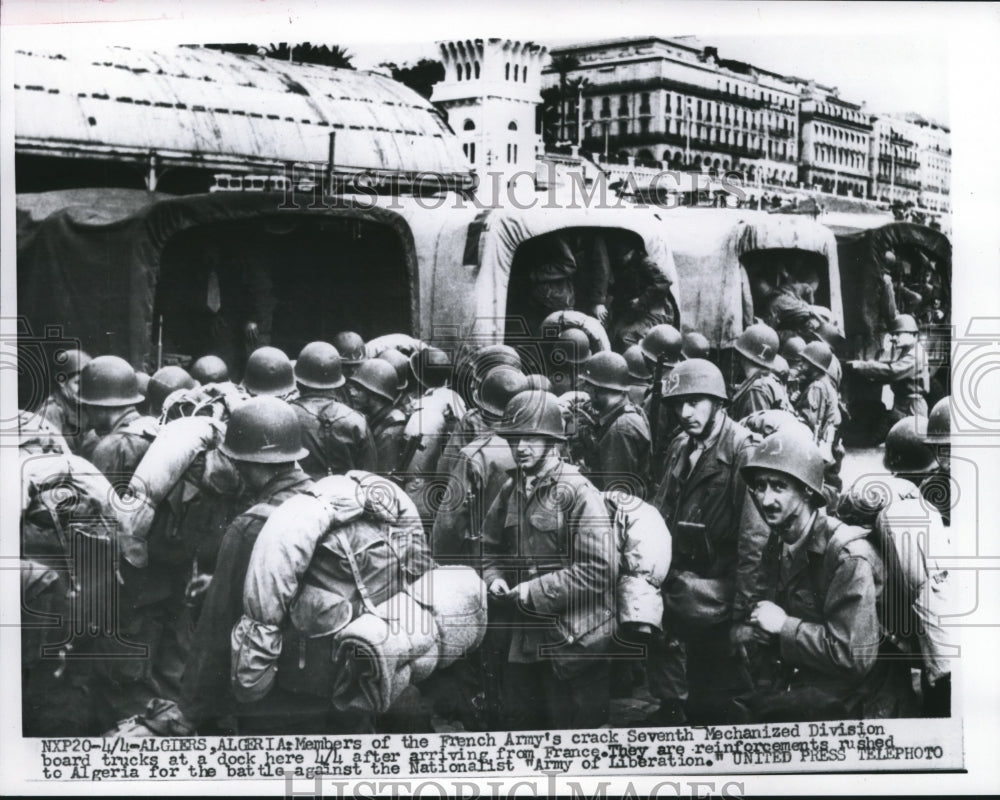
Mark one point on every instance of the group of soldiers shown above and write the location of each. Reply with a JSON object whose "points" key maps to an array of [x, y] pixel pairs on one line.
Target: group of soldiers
{"points": [[770, 610]]}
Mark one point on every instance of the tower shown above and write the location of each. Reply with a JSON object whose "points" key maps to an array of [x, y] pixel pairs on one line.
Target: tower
{"points": [[491, 93]]}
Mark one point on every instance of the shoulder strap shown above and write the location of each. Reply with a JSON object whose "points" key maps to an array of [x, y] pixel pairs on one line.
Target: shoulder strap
{"points": [[842, 536]]}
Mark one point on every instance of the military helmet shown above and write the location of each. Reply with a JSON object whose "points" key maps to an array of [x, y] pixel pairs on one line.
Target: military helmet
{"points": [[432, 367], [109, 381], [164, 381], [638, 370], [400, 363], [210, 369], [939, 423], [71, 362], [830, 333], [607, 370], [819, 355], [758, 343], [695, 345], [905, 449], [498, 387], [577, 345], [536, 380], [904, 323], [142, 380], [694, 377], [378, 377], [533, 413], [790, 451], [350, 346], [663, 341], [793, 348], [269, 372], [264, 430], [495, 355], [318, 366]]}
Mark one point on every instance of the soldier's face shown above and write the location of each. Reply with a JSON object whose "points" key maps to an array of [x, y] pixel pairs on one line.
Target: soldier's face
{"points": [[529, 452], [780, 500], [696, 414], [71, 387]]}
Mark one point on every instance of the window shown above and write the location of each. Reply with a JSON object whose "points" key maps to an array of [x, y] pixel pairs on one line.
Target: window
{"points": [[506, 71], [644, 103], [469, 125], [517, 70], [588, 108], [476, 65], [468, 72], [623, 106], [512, 126], [458, 72], [469, 148], [524, 77], [644, 125]]}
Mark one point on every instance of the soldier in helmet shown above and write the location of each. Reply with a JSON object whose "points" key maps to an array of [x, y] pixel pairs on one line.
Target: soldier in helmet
{"points": [[662, 349], [210, 369], [791, 351], [568, 353], [373, 394], [110, 392], [695, 345], [904, 373], [63, 409], [550, 565], [819, 407], [936, 487], [264, 442], [163, 383], [406, 387], [269, 372], [824, 608], [351, 347], [337, 437], [640, 377], [620, 444], [756, 349], [717, 536]]}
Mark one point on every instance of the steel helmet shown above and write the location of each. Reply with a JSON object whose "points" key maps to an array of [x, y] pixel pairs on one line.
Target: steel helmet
{"points": [[431, 366], [758, 343], [790, 451], [696, 376], [165, 381], [142, 381], [109, 381], [781, 367], [939, 423], [638, 371], [905, 450], [378, 377], [269, 371], [264, 430], [533, 413], [576, 345], [607, 370], [538, 381], [210, 369], [819, 355], [318, 366], [830, 334], [495, 355], [71, 362], [904, 323], [663, 341], [350, 346], [498, 387], [400, 363], [694, 345], [793, 348]]}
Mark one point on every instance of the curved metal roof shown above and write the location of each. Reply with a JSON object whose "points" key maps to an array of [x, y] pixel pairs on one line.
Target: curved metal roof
{"points": [[198, 105]]}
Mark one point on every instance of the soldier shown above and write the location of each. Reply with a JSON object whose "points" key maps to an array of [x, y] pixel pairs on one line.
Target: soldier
{"points": [[407, 391], [825, 608], [791, 351], [373, 393], [662, 348], [210, 369], [569, 352], [269, 372], [336, 437], [62, 409], [165, 381], [756, 348], [642, 297], [717, 535], [640, 377], [110, 392], [695, 345], [351, 347], [936, 487], [620, 446], [819, 407], [263, 440], [551, 279], [550, 564], [904, 373]]}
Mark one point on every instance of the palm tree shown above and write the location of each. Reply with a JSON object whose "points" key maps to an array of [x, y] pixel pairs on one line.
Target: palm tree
{"points": [[563, 65], [307, 53]]}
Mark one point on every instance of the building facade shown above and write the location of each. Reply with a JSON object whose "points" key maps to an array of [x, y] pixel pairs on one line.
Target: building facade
{"points": [[835, 142], [934, 154], [673, 104], [895, 168]]}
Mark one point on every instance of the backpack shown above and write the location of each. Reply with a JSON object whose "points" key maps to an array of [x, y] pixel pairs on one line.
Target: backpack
{"points": [[897, 523]]}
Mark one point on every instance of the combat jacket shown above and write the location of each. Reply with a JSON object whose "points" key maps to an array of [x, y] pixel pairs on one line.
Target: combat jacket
{"points": [[819, 407], [68, 419], [336, 437], [205, 691], [760, 392], [904, 375], [621, 451], [557, 538], [717, 532], [387, 428], [118, 452], [469, 427]]}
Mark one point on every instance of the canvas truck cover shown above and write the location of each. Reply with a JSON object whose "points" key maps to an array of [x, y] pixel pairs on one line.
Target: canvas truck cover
{"points": [[707, 245]]}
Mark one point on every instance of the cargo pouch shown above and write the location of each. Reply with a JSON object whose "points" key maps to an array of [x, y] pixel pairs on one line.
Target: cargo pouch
{"points": [[692, 603]]}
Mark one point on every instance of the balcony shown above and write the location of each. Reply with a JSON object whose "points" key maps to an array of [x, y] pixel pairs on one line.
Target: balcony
{"points": [[780, 133], [687, 89], [901, 161], [861, 126], [596, 143]]}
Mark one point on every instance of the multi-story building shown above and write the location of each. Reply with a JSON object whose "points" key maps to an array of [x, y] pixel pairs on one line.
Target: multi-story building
{"points": [[672, 103], [934, 154], [895, 170], [835, 141]]}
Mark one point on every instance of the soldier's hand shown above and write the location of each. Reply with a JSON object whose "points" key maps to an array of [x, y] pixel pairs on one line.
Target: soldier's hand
{"points": [[499, 587], [768, 617], [601, 313]]}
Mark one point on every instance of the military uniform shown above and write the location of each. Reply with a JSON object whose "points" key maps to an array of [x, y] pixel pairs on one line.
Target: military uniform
{"points": [[819, 407], [67, 418], [336, 437], [387, 427], [118, 452], [907, 378], [469, 427], [759, 392], [554, 534], [620, 450]]}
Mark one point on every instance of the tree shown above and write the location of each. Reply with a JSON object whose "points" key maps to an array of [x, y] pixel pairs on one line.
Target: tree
{"points": [[420, 77], [307, 53], [563, 65]]}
